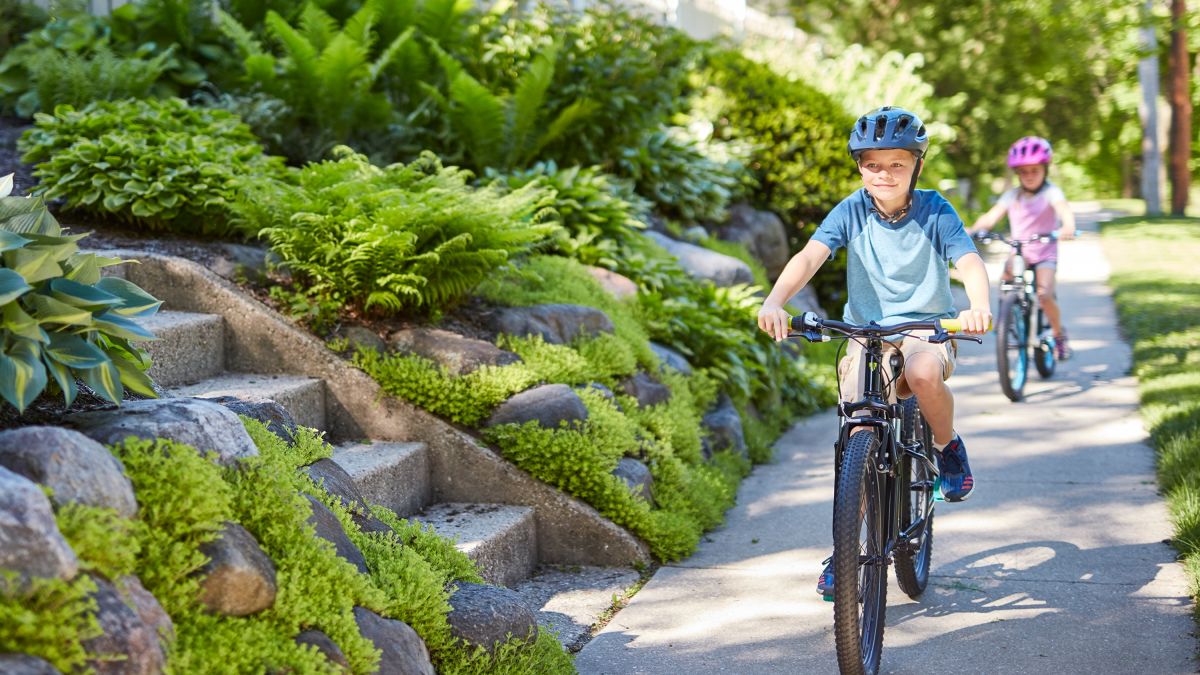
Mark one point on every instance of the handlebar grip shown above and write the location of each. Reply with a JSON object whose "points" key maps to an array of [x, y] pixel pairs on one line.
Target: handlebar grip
{"points": [[955, 325]]}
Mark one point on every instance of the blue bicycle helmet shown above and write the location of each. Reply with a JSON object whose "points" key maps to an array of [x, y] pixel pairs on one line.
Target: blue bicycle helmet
{"points": [[889, 128]]}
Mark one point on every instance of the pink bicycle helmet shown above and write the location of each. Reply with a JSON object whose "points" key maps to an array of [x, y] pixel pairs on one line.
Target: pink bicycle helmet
{"points": [[1029, 151]]}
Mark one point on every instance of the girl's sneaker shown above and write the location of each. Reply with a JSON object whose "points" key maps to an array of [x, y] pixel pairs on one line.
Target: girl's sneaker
{"points": [[1061, 351]]}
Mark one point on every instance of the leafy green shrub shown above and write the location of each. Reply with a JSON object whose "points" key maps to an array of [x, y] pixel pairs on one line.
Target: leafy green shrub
{"points": [[104, 541], [327, 76], [413, 236], [799, 139], [157, 164], [679, 179], [50, 619], [73, 31], [599, 213], [76, 79], [58, 318], [16, 19]]}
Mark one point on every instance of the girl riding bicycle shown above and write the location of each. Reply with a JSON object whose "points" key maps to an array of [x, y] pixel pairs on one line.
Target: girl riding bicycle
{"points": [[1035, 207], [898, 241]]}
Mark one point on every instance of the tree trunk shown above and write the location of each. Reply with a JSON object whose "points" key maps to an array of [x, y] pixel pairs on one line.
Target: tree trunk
{"points": [[1148, 77], [1179, 94]]}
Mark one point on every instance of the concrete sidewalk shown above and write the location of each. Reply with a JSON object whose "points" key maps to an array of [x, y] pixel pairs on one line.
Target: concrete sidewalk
{"points": [[1056, 564]]}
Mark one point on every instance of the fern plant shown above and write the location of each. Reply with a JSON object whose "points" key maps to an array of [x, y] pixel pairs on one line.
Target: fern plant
{"points": [[413, 236], [506, 131], [58, 318], [325, 75]]}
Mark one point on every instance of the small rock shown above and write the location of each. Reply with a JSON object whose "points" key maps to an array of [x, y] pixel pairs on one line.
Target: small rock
{"points": [[637, 476], [558, 324], [329, 528], [763, 234], [695, 234], [278, 420], [236, 260], [30, 543], [239, 578], [671, 358], [484, 615], [199, 423], [549, 404], [702, 263], [74, 466], [403, 651], [646, 389], [617, 285], [725, 428], [124, 634], [24, 664], [324, 644], [147, 607], [460, 355], [333, 479], [361, 336], [603, 390]]}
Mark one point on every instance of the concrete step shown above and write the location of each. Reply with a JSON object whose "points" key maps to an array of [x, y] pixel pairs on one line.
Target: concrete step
{"points": [[303, 397], [501, 539], [190, 347], [395, 475], [573, 600]]}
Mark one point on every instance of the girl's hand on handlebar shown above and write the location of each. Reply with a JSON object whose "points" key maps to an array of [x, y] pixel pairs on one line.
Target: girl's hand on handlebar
{"points": [[775, 321], [975, 321]]}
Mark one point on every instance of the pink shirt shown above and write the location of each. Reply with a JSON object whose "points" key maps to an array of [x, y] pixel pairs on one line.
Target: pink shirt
{"points": [[1031, 215]]}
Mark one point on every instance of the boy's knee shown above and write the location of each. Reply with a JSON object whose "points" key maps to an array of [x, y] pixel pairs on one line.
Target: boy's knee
{"points": [[922, 372]]}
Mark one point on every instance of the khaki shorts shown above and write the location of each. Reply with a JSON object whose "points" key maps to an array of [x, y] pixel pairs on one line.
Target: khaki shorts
{"points": [[853, 380]]}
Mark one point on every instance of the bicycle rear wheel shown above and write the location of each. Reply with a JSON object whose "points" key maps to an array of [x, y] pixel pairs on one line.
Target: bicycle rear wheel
{"points": [[915, 484], [1012, 352], [860, 568]]}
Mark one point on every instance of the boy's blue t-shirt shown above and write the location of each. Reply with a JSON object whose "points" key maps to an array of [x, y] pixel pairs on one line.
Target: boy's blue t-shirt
{"points": [[897, 272]]}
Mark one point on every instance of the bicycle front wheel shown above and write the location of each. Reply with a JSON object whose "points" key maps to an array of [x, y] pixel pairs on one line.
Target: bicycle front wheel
{"points": [[1043, 356], [915, 483], [1012, 351], [860, 568]]}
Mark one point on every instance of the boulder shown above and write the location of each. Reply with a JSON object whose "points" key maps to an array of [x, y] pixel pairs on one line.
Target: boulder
{"points": [[147, 607], [762, 233], [239, 578], [484, 615], [30, 543], [558, 324], [74, 466], [324, 644], [647, 390], [361, 336], [202, 424], [24, 664], [805, 301], [403, 651], [549, 404], [329, 528], [637, 476], [671, 358], [278, 420], [460, 355], [702, 263], [239, 260], [603, 391], [617, 285], [125, 634], [333, 479], [724, 426]]}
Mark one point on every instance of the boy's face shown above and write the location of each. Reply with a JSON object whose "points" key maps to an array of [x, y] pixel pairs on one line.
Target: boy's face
{"points": [[1031, 177], [887, 174]]}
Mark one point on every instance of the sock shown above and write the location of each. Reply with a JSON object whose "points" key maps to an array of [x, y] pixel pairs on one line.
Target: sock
{"points": [[942, 446]]}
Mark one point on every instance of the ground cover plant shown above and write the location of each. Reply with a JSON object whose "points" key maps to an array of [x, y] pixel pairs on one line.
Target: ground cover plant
{"points": [[1155, 285], [155, 164]]}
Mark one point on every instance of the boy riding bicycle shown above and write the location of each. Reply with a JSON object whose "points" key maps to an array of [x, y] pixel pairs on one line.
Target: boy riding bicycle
{"points": [[898, 241], [1035, 207]]}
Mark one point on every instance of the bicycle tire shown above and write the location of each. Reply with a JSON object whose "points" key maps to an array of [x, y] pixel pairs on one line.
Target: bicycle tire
{"points": [[859, 607], [1043, 357], [1012, 347], [915, 484]]}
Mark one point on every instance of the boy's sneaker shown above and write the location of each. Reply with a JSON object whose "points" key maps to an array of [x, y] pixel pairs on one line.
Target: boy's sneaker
{"points": [[957, 481], [1061, 351], [825, 581]]}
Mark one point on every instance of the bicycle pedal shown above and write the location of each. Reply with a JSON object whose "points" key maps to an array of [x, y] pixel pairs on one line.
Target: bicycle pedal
{"points": [[937, 490]]}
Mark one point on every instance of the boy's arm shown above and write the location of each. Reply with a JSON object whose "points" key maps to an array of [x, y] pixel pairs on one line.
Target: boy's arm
{"points": [[988, 220], [977, 319], [772, 318], [1065, 216]]}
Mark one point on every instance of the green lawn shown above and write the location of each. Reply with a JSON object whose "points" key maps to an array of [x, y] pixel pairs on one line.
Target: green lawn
{"points": [[1156, 283]]}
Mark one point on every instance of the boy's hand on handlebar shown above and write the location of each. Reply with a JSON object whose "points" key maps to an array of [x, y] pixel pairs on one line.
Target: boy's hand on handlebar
{"points": [[774, 320], [975, 321]]}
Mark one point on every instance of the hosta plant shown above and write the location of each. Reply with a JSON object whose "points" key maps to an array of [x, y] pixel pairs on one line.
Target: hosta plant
{"points": [[59, 319]]}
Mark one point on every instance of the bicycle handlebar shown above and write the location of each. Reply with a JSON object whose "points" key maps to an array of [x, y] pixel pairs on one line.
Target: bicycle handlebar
{"points": [[810, 326], [985, 237]]}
